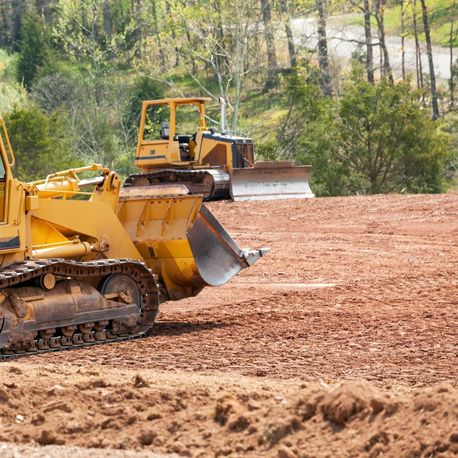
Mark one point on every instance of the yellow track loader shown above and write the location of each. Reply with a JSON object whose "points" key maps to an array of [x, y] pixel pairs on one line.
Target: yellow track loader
{"points": [[84, 261], [175, 146]]}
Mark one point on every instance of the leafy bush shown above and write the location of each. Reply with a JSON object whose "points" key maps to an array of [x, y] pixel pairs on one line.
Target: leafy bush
{"points": [[40, 143], [144, 88], [34, 48], [373, 139]]}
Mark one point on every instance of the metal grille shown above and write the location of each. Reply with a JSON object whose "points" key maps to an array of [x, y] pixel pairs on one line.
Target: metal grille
{"points": [[245, 153]]}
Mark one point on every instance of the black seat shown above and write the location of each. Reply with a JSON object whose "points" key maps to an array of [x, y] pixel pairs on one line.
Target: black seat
{"points": [[165, 130], [184, 138]]}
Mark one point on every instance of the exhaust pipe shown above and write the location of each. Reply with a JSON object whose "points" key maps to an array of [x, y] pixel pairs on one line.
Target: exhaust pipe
{"points": [[222, 104]]}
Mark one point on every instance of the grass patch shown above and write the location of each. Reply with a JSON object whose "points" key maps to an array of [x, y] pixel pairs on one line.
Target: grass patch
{"points": [[440, 13]]}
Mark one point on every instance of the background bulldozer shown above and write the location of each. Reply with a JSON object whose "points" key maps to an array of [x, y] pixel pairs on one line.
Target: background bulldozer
{"points": [[84, 261], [175, 146]]}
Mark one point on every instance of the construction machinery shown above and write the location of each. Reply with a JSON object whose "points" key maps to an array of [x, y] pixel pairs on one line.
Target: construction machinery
{"points": [[175, 146], [84, 261]]}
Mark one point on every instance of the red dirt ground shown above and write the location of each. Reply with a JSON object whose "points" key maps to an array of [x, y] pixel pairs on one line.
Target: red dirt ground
{"points": [[344, 337]]}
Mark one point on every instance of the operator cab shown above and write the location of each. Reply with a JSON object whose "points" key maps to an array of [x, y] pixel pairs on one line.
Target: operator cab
{"points": [[168, 130]]}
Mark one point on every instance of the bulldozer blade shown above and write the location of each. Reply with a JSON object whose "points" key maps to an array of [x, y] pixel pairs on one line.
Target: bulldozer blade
{"points": [[216, 255], [270, 181]]}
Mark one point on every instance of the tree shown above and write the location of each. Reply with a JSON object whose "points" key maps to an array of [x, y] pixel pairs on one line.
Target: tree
{"points": [[368, 35], [309, 132], [375, 138], [17, 13], [34, 49], [40, 143], [217, 59], [81, 30], [403, 39], [286, 17], [144, 88], [323, 57], [270, 44], [418, 63], [452, 37], [138, 14], [388, 141], [384, 56], [429, 50], [44, 9]]}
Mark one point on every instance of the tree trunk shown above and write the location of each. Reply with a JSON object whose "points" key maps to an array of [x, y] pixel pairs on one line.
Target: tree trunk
{"points": [[452, 70], [379, 16], [158, 36], [240, 59], [44, 10], [369, 50], [381, 65], [432, 75], [221, 57], [403, 39], [174, 37], [5, 27], [289, 33], [139, 30], [270, 45], [18, 11], [192, 60], [418, 63], [323, 58], [107, 18]]}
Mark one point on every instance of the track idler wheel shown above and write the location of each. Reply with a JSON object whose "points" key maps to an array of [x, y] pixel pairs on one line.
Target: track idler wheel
{"points": [[123, 288]]}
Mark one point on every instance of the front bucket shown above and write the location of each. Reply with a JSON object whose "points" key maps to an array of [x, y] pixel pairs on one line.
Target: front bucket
{"points": [[270, 181], [216, 255]]}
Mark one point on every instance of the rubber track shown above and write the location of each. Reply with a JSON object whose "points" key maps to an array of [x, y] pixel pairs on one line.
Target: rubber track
{"points": [[22, 272]]}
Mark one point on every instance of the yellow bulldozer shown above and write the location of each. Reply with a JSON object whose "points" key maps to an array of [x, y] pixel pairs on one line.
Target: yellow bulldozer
{"points": [[85, 261], [176, 146]]}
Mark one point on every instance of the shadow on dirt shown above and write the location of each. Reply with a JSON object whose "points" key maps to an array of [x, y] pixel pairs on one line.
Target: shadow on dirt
{"points": [[174, 328]]}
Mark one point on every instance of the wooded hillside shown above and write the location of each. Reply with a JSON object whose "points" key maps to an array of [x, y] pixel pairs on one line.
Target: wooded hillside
{"points": [[74, 72]]}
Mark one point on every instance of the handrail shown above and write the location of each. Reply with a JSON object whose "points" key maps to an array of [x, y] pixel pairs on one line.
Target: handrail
{"points": [[65, 173], [11, 159]]}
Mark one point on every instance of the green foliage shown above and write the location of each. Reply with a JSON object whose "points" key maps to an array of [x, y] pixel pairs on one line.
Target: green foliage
{"points": [[40, 143], [103, 130], [449, 125], [34, 49], [374, 139], [144, 88], [81, 66], [390, 140], [310, 132], [55, 91], [92, 36], [12, 93], [268, 151]]}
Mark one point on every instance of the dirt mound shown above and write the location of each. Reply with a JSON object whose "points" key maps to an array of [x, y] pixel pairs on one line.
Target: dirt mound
{"points": [[223, 416], [352, 400]]}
